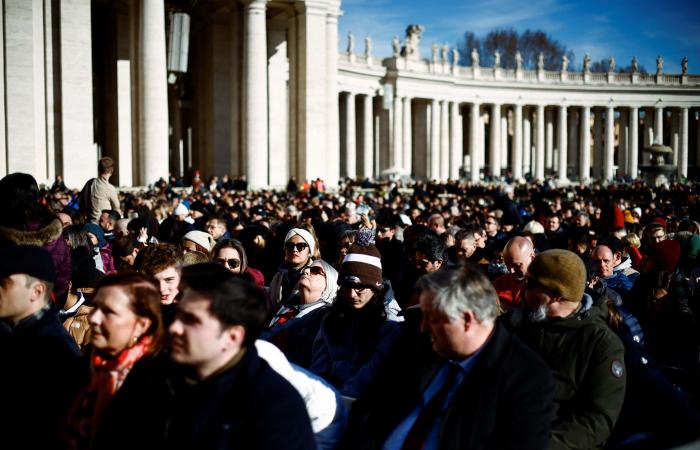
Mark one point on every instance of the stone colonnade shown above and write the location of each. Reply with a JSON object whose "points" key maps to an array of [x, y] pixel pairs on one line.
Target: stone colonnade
{"points": [[565, 141]]}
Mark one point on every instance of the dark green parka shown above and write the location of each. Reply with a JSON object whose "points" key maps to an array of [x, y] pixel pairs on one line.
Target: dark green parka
{"points": [[587, 359]]}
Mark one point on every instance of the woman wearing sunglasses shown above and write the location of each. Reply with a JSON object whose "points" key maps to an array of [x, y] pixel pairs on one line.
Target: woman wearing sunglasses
{"points": [[295, 326], [300, 249], [355, 337], [231, 254]]}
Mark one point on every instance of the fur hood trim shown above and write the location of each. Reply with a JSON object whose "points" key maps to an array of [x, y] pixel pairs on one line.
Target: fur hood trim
{"points": [[48, 233]]}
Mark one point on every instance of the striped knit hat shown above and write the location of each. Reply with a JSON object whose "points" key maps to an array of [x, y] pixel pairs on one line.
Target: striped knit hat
{"points": [[362, 266]]}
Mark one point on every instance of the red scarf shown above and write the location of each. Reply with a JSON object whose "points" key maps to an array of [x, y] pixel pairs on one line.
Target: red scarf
{"points": [[107, 377]]}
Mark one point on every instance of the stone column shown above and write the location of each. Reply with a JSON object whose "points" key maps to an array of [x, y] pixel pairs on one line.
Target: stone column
{"points": [[367, 137], [455, 141], [633, 155], [562, 144], [504, 140], [397, 135], [407, 137], [474, 140], [527, 140], [549, 139], [255, 94], [350, 137], [683, 154], [79, 158], [659, 125], [332, 151], [623, 143], [584, 167], [648, 127], [572, 154], [495, 140], [539, 155], [597, 143], [152, 91], [675, 113], [444, 140], [434, 140], [517, 142], [608, 158]]}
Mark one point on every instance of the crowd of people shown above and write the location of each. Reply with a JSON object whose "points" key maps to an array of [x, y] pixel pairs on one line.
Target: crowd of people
{"points": [[372, 316]]}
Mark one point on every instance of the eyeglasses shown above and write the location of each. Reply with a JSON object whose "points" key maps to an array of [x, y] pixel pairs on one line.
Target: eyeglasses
{"points": [[317, 270], [299, 246], [345, 245], [490, 223], [231, 263], [359, 290], [384, 230]]}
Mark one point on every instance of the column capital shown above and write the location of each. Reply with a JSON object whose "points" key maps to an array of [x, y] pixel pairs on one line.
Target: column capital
{"points": [[250, 5]]}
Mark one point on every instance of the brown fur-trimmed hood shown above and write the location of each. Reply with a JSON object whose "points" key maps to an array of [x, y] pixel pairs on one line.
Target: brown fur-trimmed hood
{"points": [[39, 237]]}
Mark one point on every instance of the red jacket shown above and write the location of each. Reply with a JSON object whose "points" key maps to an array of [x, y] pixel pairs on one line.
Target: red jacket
{"points": [[509, 290]]}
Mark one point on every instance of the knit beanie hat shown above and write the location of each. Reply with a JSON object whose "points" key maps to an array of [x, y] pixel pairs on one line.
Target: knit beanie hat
{"points": [[560, 271], [181, 210], [362, 266], [200, 238], [665, 254], [96, 231]]}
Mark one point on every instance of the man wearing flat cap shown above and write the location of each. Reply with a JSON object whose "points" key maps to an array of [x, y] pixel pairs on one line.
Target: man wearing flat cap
{"points": [[562, 324], [40, 373]]}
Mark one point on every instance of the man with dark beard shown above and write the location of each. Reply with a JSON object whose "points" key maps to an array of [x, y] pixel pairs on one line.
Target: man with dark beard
{"points": [[563, 325]]}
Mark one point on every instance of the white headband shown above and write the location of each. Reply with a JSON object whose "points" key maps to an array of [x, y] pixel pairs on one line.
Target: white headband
{"points": [[363, 258], [305, 235]]}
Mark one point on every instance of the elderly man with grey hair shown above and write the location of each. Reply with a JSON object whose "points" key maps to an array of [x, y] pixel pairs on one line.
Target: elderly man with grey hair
{"points": [[477, 386]]}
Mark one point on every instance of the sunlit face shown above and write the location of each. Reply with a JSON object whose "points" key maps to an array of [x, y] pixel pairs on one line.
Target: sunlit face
{"points": [[491, 226], [93, 239], [359, 296], [518, 262], [424, 264], [188, 246], [446, 335], [168, 280], [229, 258], [296, 251], [15, 294], [113, 324], [216, 228], [552, 223], [344, 246], [312, 282], [604, 261], [385, 232], [104, 222], [465, 248], [197, 338], [537, 296]]}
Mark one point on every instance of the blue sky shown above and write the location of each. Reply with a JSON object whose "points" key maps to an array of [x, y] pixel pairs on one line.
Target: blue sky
{"points": [[622, 28]]}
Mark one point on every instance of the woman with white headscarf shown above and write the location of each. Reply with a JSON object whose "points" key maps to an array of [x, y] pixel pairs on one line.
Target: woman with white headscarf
{"points": [[294, 327], [299, 248]]}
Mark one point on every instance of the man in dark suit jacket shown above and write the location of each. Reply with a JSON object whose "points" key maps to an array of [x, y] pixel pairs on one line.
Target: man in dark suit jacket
{"points": [[41, 371], [491, 391], [214, 392]]}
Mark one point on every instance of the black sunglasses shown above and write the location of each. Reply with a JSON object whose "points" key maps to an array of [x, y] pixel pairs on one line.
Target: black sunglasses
{"points": [[232, 263], [299, 246], [317, 270]]}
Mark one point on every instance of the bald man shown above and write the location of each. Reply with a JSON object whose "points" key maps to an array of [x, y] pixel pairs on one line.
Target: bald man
{"points": [[517, 254], [604, 264]]}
